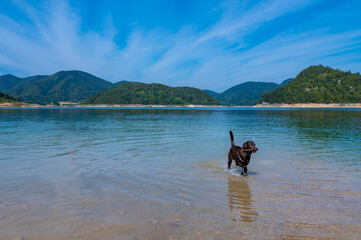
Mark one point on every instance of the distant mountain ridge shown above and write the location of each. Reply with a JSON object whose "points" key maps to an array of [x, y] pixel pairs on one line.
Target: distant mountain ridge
{"points": [[245, 94], [76, 86], [9, 81], [151, 94], [212, 93], [315, 84], [318, 84], [71, 86]]}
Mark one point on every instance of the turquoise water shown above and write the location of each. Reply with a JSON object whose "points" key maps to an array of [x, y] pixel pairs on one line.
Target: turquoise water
{"points": [[161, 174]]}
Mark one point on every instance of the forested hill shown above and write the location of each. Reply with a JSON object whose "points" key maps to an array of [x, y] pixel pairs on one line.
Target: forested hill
{"points": [[6, 98], [72, 86], [8, 81], [246, 93], [212, 93], [318, 84], [151, 94]]}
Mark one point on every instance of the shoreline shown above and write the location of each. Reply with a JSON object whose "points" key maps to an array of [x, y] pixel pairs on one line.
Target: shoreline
{"points": [[34, 105], [283, 105], [142, 106], [309, 105], [23, 105]]}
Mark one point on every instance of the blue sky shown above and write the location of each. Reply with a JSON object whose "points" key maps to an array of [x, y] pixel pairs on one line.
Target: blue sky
{"points": [[199, 43]]}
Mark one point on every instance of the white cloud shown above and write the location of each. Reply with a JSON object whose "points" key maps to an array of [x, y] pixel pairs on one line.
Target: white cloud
{"points": [[52, 40]]}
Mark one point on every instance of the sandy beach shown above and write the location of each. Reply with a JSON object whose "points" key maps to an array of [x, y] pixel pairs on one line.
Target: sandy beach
{"points": [[21, 104]]}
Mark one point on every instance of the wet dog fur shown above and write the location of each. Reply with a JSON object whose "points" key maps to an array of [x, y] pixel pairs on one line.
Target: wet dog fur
{"points": [[241, 155]]}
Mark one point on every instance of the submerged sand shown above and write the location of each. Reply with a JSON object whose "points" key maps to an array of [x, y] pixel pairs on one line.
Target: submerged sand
{"points": [[125, 174], [243, 212]]}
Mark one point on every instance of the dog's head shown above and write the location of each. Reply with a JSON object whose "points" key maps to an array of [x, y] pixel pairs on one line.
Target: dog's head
{"points": [[250, 147]]}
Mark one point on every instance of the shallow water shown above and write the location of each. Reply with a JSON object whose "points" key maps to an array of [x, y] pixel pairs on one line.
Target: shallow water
{"points": [[161, 174]]}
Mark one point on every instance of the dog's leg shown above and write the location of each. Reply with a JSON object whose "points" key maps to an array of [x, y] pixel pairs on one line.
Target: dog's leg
{"points": [[230, 158], [244, 174]]}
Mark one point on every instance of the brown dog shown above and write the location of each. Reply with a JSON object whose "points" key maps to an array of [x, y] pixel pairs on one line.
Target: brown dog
{"points": [[241, 155]]}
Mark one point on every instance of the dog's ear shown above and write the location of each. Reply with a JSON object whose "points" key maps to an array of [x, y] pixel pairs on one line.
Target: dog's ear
{"points": [[245, 145]]}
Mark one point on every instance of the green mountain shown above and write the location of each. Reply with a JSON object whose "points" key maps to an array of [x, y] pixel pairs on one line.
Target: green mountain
{"points": [[148, 94], [246, 93], [318, 84], [212, 93], [9, 81], [69, 86], [6, 98]]}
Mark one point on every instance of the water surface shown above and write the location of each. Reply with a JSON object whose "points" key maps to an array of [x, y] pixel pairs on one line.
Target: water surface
{"points": [[161, 174]]}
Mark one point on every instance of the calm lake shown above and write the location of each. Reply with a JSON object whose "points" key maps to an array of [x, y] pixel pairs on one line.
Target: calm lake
{"points": [[153, 173]]}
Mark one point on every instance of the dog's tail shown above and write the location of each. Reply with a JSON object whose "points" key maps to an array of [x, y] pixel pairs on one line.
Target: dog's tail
{"points": [[232, 139]]}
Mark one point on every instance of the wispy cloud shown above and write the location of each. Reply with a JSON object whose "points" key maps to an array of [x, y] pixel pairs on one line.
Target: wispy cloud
{"points": [[217, 57]]}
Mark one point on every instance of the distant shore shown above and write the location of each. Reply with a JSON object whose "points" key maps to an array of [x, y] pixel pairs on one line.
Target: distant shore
{"points": [[297, 105], [27, 105], [141, 105], [21, 104], [310, 105]]}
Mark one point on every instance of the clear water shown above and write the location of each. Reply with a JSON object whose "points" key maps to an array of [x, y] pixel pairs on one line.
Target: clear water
{"points": [[161, 174]]}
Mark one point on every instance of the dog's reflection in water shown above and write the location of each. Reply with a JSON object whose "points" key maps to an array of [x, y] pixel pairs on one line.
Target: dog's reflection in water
{"points": [[240, 199]]}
